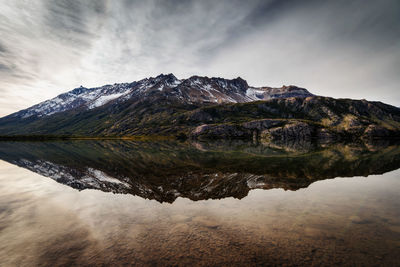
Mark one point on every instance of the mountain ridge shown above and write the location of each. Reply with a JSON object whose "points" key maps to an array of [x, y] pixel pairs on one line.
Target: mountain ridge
{"points": [[203, 108], [193, 89]]}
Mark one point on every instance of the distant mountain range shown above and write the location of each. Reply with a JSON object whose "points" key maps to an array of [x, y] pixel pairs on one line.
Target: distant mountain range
{"points": [[202, 107]]}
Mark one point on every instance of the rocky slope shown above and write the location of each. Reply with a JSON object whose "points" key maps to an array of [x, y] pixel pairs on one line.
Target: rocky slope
{"points": [[204, 108], [319, 118]]}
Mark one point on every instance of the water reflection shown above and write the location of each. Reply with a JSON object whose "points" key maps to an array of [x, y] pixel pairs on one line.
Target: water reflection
{"points": [[198, 171], [328, 222]]}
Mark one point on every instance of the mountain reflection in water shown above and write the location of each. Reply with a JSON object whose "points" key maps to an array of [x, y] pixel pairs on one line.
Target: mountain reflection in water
{"points": [[166, 170], [336, 222]]}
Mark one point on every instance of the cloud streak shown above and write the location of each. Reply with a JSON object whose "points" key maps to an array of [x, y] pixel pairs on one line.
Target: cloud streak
{"points": [[337, 48]]}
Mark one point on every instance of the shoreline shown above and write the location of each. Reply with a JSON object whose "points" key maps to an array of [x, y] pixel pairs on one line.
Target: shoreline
{"points": [[62, 138]]}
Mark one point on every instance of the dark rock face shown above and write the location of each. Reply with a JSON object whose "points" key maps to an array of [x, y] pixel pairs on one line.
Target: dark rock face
{"points": [[247, 130], [267, 130], [200, 115], [376, 132], [221, 132], [261, 125], [278, 131], [291, 131]]}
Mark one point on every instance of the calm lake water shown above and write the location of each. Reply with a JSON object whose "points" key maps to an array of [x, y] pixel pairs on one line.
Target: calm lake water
{"points": [[94, 203]]}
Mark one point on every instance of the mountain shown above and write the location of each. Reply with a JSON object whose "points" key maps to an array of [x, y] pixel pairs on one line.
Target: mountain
{"points": [[192, 90], [203, 108]]}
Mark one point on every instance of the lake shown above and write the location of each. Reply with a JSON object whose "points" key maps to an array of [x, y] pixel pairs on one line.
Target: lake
{"points": [[110, 202]]}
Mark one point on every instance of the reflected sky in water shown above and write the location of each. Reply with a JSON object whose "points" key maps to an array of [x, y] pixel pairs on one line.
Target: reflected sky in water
{"points": [[337, 221]]}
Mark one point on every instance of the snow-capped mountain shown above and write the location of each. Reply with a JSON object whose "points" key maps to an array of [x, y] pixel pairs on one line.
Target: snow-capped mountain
{"points": [[201, 107], [195, 89]]}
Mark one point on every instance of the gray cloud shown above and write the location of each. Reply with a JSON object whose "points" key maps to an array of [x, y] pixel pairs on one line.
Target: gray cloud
{"points": [[337, 48]]}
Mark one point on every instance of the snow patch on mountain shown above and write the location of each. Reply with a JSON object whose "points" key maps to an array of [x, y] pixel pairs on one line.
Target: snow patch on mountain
{"points": [[255, 93], [195, 89], [102, 100]]}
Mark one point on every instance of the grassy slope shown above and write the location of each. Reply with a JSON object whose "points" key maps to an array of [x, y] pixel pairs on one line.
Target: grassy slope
{"points": [[163, 116]]}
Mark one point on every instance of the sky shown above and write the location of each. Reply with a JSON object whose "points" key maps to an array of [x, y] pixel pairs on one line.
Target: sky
{"points": [[338, 48]]}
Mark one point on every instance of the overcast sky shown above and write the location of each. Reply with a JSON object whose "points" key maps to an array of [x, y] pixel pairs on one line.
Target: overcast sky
{"points": [[334, 48]]}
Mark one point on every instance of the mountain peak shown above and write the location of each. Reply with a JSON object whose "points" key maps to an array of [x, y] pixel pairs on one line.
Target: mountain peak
{"points": [[196, 89], [241, 82], [79, 90], [167, 76]]}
